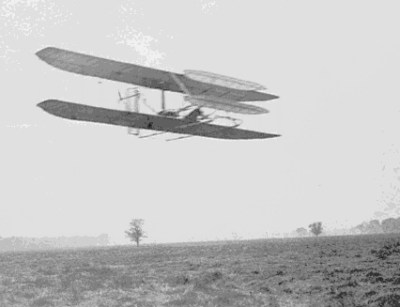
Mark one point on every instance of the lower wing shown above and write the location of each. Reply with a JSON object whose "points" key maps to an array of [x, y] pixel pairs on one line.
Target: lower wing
{"points": [[145, 121]]}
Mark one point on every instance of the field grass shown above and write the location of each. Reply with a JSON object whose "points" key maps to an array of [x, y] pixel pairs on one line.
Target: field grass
{"points": [[325, 271]]}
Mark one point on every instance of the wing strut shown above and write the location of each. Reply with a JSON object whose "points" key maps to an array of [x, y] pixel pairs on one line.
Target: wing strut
{"points": [[131, 101], [162, 100]]}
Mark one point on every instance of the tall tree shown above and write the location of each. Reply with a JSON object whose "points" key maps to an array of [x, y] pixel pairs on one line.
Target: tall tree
{"points": [[136, 232], [316, 228]]}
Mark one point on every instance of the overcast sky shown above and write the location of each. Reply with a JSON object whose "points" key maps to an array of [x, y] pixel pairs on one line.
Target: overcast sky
{"points": [[335, 66]]}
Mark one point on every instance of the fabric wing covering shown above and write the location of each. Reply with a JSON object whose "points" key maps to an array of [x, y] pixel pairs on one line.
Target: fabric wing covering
{"points": [[145, 121], [225, 81], [196, 82]]}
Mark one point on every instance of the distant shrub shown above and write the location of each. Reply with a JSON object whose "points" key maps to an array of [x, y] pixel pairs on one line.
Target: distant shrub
{"points": [[301, 232], [391, 225], [387, 250], [370, 227]]}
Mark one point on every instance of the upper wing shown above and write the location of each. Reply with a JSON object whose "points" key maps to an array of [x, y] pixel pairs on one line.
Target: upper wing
{"points": [[145, 121], [143, 76]]}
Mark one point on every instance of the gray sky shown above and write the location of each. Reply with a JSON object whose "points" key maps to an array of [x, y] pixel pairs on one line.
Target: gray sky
{"points": [[334, 64]]}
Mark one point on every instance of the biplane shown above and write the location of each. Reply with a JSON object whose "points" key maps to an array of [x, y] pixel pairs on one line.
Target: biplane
{"points": [[202, 90]]}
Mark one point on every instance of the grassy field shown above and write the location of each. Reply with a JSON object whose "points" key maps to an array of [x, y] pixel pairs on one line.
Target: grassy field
{"points": [[325, 271]]}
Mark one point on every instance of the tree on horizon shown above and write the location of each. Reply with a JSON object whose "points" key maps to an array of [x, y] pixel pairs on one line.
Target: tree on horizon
{"points": [[316, 228], [301, 232], [136, 232]]}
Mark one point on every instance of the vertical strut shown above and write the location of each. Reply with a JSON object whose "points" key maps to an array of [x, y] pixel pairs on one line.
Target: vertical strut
{"points": [[162, 100], [132, 105]]}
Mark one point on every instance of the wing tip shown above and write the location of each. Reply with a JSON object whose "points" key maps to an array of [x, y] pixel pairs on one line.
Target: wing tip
{"points": [[250, 135], [262, 96], [46, 52], [270, 135], [51, 104], [44, 103], [272, 96]]}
